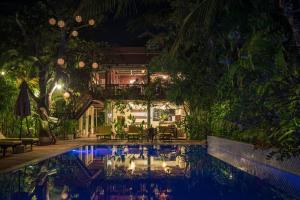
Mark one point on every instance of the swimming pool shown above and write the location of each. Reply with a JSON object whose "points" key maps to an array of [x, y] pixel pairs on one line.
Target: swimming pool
{"points": [[123, 172]]}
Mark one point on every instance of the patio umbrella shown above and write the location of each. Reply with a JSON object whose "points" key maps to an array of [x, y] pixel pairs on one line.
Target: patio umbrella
{"points": [[22, 108]]}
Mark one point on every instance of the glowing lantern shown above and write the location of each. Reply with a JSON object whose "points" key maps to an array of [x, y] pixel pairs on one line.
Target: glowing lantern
{"points": [[91, 22], [61, 24], [67, 95], [78, 18], [52, 21], [2, 73], [81, 64], [95, 65], [60, 61], [74, 33]]}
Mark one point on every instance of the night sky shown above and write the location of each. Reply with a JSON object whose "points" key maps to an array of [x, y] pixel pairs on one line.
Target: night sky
{"points": [[113, 30]]}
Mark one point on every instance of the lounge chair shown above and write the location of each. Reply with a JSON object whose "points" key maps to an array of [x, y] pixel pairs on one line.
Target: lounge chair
{"points": [[103, 132], [133, 133], [4, 144], [25, 141], [166, 133]]}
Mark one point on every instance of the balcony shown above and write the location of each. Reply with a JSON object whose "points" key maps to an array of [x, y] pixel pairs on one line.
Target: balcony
{"points": [[129, 91]]}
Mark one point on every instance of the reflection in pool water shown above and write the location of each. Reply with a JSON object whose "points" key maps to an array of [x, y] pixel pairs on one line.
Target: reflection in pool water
{"points": [[136, 172]]}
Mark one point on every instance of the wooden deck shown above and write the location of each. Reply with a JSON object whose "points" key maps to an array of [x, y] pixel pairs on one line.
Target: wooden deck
{"points": [[15, 161]]}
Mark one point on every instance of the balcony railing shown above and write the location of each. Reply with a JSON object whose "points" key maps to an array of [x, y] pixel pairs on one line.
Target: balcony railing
{"points": [[128, 91]]}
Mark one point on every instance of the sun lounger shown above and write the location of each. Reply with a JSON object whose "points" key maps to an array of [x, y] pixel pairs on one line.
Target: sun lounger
{"points": [[103, 132], [133, 133], [25, 141], [4, 144]]}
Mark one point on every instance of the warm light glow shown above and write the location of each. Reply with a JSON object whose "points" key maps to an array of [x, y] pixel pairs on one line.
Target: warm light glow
{"points": [[143, 71], [91, 22], [95, 65], [131, 81], [58, 86], [164, 77], [61, 24], [60, 61], [64, 195], [132, 166], [78, 18], [109, 163], [67, 95], [2, 73], [164, 164], [81, 64], [74, 33], [52, 21]]}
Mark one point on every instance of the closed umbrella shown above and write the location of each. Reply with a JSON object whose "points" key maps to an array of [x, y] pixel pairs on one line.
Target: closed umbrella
{"points": [[22, 108]]}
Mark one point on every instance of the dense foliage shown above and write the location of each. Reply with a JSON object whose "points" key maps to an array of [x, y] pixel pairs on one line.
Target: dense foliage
{"points": [[234, 65]]}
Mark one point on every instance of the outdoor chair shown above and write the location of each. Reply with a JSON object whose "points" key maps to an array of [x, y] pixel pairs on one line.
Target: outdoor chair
{"points": [[103, 132], [133, 133], [24, 141], [4, 144]]}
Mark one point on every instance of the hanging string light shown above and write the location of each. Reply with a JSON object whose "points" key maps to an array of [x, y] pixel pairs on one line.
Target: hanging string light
{"points": [[81, 64], [78, 19], [52, 21], [92, 22], [61, 23]]}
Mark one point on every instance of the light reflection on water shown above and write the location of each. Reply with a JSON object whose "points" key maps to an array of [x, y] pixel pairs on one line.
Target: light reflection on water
{"points": [[136, 172]]}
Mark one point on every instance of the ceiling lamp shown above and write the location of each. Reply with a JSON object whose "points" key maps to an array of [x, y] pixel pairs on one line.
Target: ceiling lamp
{"points": [[52, 21], [74, 33], [92, 22], [61, 23], [60, 61], [78, 19], [95, 65], [81, 64]]}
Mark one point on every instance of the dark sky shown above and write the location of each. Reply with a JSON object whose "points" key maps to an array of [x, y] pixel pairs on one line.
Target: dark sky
{"points": [[112, 30]]}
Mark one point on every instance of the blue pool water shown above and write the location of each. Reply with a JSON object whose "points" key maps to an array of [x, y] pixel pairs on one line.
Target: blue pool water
{"points": [[138, 172]]}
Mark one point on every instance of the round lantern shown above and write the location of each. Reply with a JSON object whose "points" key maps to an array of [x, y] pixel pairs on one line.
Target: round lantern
{"points": [[67, 95], [81, 64], [91, 22], [95, 65], [78, 19], [74, 33], [60, 61], [61, 24], [52, 21]]}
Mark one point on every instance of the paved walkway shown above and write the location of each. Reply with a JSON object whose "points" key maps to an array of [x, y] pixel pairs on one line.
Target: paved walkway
{"points": [[15, 161]]}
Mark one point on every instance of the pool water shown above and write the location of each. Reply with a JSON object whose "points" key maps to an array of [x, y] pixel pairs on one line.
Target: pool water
{"points": [[137, 172]]}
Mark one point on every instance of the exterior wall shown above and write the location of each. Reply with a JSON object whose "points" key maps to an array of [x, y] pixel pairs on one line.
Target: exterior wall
{"points": [[282, 174]]}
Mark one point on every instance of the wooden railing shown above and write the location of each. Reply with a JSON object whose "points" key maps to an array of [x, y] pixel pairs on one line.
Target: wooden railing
{"points": [[128, 91]]}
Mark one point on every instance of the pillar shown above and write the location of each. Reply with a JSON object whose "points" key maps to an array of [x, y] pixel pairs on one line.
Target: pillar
{"points": [[92, 113], [87, 122], [80, 125]]}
